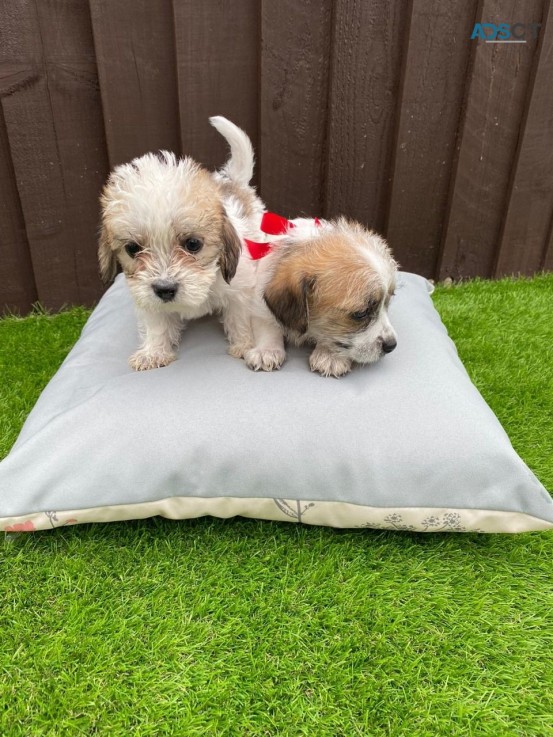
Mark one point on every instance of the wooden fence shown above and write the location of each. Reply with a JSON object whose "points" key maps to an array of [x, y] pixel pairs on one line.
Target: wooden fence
{"points": [[382, 110]]}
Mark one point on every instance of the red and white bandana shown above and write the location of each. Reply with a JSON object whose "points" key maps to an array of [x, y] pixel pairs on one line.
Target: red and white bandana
{"points": [[271, 224]]}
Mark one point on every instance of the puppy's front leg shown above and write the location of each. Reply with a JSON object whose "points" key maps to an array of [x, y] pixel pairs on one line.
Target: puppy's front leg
{"points": [[160, 336], [238, 329], [328, 363], [257, 338], [268, 351]]}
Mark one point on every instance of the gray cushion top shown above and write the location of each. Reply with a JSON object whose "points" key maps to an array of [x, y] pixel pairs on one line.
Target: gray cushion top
{"points": [[409, 431]]}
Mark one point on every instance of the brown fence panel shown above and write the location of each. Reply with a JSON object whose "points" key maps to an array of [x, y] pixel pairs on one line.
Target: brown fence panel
{"points": [[383, 111], [54, 124], [548, 257], [368, 38], [217, 43], [295, 59], [135, 48], [530, 206], [434, 69], [497, 94], [18, 291]]}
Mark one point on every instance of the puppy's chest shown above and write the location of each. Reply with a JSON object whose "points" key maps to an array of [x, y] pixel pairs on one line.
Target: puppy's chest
{"points": [[207, 308]]}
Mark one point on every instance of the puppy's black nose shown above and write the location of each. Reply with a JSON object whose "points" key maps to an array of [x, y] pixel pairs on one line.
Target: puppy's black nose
{"points": [[389, 345], [165, 290]]}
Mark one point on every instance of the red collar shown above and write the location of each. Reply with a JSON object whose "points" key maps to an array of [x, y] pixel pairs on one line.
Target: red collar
{"points": [[271, 224]]}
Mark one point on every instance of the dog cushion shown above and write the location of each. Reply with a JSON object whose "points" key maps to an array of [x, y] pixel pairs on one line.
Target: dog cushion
{"points": [[407, 443]]}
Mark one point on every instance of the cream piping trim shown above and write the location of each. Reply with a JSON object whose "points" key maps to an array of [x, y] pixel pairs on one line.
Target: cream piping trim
{"points": [[331, 514]]}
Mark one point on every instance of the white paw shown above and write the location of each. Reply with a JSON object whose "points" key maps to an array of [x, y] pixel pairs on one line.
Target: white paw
{"points": [[328, 364], [264, 359], [144, 360], [238, 350]]}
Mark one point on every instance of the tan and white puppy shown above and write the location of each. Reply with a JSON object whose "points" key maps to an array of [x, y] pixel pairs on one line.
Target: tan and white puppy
{"points": [[177, 231], [330, 284]]}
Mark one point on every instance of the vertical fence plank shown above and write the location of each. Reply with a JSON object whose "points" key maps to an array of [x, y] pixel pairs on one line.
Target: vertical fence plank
{"points": [[18, 291], [547, 263], [54, 124], [135, 50], [295, 42], [530, 204], [217, 44], [496, 96], [434, 67], [365, 69], [320, 81]]}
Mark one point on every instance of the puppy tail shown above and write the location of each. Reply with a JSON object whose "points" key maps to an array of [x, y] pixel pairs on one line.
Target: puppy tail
{"points": [[239, 168]]}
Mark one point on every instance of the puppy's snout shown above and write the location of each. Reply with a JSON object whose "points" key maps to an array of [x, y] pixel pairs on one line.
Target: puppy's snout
{"points": [[389, 345], [165, 290]]}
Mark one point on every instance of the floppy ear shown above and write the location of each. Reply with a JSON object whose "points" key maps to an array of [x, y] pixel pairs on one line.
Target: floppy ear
{"points": [[228, 261], [287, 298], [106, 257]]}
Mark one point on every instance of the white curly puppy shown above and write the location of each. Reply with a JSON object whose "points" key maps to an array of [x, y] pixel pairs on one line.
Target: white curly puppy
{"points": [[177, 231]]}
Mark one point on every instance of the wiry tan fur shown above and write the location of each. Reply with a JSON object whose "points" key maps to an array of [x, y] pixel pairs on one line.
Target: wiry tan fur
{"points": [[316, 278]]}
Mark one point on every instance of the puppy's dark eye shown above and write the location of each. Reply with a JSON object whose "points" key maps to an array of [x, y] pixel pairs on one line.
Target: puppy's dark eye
{"points": [[367, 312], [192, 245], [132, 248]]}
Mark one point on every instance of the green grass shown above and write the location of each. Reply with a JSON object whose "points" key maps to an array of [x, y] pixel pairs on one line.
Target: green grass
{"points": [[246, 628]]}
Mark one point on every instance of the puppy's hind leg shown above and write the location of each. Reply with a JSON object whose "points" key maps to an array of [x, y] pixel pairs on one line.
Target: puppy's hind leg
{"points": [[160, 336]]}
